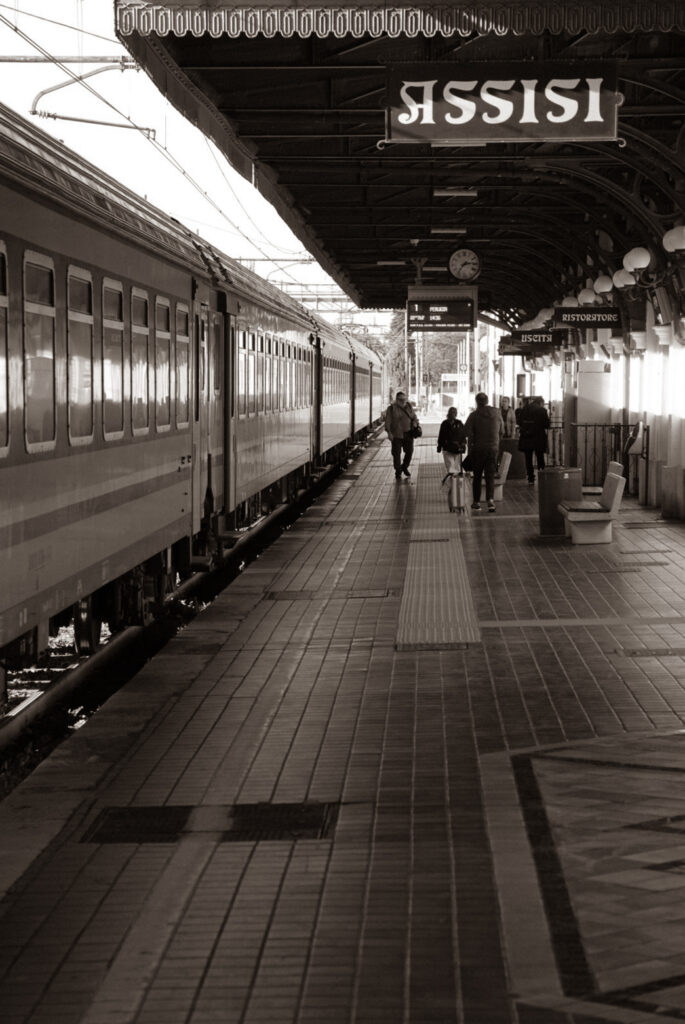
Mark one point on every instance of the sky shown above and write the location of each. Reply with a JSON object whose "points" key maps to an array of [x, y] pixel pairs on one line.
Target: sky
{"points": [[182, 173]]}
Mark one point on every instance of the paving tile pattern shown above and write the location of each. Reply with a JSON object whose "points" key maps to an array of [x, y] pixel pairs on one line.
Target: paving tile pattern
{"points": [[505, 850]]}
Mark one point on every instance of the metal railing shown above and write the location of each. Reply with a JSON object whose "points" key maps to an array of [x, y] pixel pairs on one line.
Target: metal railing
{"points": [[594, 445]]}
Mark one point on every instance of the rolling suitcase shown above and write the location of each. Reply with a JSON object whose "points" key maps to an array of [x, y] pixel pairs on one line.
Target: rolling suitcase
{"points": [[456, 495]]}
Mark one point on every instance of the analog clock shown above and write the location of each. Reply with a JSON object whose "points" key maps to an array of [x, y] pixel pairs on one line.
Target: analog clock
{"points": [[464, 264]]}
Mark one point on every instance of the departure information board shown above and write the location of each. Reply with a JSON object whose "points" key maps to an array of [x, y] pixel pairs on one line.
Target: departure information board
{"points": [[441, 315]]}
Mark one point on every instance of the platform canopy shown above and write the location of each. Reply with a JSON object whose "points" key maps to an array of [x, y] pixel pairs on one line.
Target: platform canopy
{"points": [[546, 137]]}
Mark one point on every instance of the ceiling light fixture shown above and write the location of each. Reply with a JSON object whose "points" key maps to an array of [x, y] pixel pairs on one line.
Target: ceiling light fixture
{"points": [[448, 231], [454, 190]]}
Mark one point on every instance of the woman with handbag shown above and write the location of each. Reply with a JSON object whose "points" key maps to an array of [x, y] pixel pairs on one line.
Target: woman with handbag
{"points": [[452, 442], [401, 426]]}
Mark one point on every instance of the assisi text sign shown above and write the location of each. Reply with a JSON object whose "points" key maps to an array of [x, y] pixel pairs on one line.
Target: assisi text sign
{"points": [[501, 102], [441, 315]]}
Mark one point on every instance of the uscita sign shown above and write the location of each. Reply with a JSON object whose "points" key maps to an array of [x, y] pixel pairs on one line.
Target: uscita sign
{"points": [[521, 102]]}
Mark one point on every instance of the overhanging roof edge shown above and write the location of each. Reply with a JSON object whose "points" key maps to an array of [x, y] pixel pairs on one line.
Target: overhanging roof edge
{"points": [[359, 18], [194, 105]]}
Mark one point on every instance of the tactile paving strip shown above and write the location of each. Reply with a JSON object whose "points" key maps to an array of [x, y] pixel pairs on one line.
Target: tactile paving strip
{"points": [[233, 823], [436, 612]]}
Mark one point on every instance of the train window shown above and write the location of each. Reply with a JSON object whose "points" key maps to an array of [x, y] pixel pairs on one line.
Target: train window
{"points": [[162, 365], [140, 362], [39, 351], [4, 364], [139, 308], [39, 284], [163, 316], [112, 304], [80, 355], [80, 291], [182, 322], [113, 359], [182, 366]]}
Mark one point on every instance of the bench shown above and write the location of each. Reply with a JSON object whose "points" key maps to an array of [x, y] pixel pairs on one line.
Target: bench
{"points": [[501, 475], [590, 522], [613, 467]]}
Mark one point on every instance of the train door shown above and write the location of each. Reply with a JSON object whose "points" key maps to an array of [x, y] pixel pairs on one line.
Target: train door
{"points": [[353, 395], [200, 414], [229, 416], [317, 382], [216, 355]]}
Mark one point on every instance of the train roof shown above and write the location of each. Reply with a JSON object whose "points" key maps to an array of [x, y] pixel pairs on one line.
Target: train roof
{"points": [[38, 163]]}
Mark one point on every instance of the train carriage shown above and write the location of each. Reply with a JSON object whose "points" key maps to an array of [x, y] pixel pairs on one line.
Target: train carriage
{"points": [[152, 392]]}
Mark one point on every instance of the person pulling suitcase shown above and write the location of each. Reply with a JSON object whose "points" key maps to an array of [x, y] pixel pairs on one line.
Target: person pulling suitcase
{"points": [[452, 444]]}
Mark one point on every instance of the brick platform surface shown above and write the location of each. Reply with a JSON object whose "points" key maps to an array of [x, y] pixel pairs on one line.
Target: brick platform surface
{"points": [[412, 767]]}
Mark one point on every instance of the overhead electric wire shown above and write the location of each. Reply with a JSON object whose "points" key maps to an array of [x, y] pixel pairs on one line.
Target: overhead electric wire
{"points": [[281, 248], [60, 24], [153, 142]]}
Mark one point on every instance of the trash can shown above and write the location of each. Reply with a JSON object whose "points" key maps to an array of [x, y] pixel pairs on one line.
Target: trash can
{"points": [[517, 466], [555, 484]]}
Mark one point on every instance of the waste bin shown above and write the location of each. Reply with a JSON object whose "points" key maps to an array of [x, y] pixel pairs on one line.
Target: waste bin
{"points": [[555, 484], [517, 466]]}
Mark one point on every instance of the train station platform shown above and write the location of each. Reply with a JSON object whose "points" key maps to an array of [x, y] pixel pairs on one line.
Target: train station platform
{"points": [[411, 767]]}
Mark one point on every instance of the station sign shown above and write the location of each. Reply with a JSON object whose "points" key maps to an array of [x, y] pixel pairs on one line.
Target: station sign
{"points": [[601, 317], [502, 102], [441, 314], [555, 337], [530, 343]]}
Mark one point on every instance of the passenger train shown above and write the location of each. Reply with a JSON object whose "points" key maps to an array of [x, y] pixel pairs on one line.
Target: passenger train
{"points": [[155, 395]]}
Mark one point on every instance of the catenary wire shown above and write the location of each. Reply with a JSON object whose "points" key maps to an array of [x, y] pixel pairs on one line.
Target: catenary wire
{"points": [[153, 142], [60, 24]]}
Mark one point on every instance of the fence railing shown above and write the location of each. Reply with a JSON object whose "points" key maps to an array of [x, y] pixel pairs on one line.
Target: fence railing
{"points": [[592, 446]]}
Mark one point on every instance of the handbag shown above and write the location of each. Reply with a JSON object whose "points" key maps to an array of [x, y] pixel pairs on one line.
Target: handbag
{"points": [[416, 431], [467, 464]]}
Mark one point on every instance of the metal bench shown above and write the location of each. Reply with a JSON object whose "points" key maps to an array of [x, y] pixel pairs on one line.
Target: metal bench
{"points": [[590, 522]]}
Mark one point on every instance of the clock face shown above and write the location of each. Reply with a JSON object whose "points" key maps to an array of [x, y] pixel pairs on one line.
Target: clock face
{"points": [[464, 264]]}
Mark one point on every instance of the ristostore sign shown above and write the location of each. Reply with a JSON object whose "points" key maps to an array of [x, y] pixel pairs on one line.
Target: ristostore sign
{"points": [[599, 317], [507, 102]]}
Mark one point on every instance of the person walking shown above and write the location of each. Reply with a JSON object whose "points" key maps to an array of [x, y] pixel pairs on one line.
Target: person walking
{"points": [[484, 429], [533, 427], [452, 441], [508, 418], [400, 419]]}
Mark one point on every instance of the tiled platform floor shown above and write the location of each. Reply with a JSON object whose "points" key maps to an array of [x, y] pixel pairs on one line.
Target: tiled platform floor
{"points": [[502, 836]]}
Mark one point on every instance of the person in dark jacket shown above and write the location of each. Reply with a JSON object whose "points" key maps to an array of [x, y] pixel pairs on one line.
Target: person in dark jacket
{"points": [[484, 429], [400, 418], [452, 441], [533, 427]]}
